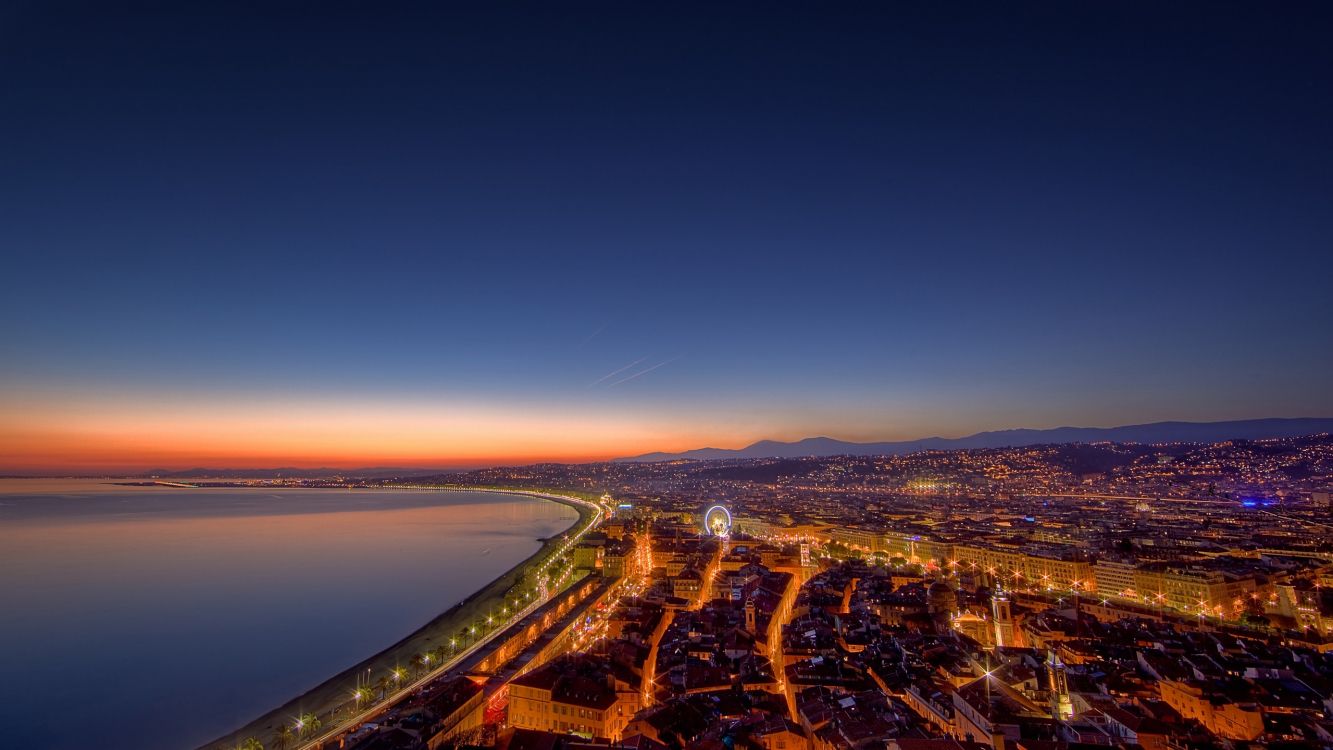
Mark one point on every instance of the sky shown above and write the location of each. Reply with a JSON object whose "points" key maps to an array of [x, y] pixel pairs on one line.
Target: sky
{"points": [[438, 234]]}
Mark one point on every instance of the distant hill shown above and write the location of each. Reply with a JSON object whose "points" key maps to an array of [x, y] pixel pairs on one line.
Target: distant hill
{"points": [[1156, 432]]}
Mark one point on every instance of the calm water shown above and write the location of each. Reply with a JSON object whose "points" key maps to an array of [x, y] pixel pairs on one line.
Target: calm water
{"points": [[146, 618]]}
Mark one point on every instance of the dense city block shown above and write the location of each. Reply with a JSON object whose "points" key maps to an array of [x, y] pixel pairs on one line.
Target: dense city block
{"points": [[1038, 598]]}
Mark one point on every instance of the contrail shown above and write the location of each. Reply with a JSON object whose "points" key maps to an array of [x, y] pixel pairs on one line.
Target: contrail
{"points": [[642, 372], [592, 335], [616, 372]]}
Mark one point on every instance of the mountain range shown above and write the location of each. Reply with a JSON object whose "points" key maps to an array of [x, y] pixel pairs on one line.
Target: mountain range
{"points": [[1155, 432]]}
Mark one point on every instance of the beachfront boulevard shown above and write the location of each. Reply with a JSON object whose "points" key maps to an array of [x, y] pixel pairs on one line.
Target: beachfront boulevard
{"points": [[461, 637]]}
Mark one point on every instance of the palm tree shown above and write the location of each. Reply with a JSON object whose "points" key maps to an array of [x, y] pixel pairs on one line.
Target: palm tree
{"points": [[307, 724], [251, 743], [284, 737]]}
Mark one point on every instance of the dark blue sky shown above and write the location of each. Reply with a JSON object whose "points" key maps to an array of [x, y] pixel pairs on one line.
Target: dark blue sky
{"points": [[850, 219]]}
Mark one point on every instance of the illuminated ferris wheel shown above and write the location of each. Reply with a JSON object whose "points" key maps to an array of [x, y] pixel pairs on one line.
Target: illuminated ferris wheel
{"points": [[717, 521]]}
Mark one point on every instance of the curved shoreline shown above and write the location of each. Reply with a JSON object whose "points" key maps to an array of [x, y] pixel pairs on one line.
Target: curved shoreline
{"points": [[332, 692]]}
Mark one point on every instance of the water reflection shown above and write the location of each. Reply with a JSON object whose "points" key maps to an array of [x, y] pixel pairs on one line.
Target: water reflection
{"points": [[161, 617]]}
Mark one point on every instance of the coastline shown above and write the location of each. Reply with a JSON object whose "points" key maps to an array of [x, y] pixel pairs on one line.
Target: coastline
{"points": [[431, 635]]}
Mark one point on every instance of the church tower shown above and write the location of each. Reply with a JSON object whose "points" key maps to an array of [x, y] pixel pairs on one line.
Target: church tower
{"points": [[1003, 612]]}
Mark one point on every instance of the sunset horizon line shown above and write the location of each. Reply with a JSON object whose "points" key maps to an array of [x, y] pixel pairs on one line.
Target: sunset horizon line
{"points": [[153, 460]]}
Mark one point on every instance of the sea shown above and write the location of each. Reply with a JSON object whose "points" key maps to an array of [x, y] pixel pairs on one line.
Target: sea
{"points": [[159, 618]]}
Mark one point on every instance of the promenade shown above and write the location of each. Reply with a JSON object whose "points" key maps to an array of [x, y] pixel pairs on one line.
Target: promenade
{"points": [[544, 576]]}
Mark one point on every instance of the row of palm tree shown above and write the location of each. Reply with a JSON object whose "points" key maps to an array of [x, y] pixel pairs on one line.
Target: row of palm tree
{"points": [[305, 726]]}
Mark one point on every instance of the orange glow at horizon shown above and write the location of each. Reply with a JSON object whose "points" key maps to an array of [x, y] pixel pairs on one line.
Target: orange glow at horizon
{"points": [[55, 435]]}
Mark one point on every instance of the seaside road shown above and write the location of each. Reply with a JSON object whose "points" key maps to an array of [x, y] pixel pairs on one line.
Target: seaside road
{"points": [[370, 712]]}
